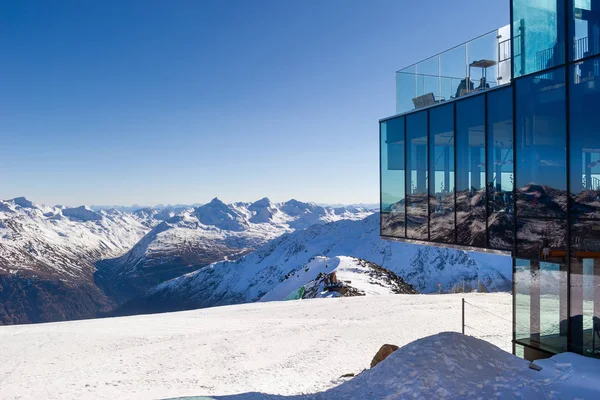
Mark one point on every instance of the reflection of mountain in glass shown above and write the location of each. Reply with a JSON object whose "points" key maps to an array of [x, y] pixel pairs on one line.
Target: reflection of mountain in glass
{"points": [[586, 204], [392, 222], [442, 218], [470, 218], [416, 217], [541, 201]]}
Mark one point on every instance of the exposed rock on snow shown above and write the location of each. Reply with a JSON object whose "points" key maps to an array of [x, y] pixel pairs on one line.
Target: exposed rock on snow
{"points": [[383, 353]]}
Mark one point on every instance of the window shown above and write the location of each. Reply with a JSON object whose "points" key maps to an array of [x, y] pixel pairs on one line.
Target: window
{"points": [[541, 304], [541, 145], [470, 172], [584, 145], [584, 28], [500, 171], [585, 288], [392, 178], [538, 35], [416, 184], [441, 185]]}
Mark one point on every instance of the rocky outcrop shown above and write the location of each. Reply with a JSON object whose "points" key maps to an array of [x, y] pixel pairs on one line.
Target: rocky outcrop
{"points": [[383, 353]]}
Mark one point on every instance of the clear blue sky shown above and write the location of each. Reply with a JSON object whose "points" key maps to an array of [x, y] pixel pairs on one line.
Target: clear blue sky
{"points": [[122, 102]]}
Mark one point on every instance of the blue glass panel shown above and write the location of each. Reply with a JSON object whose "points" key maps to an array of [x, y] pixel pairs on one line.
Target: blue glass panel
{"points": [[541, 145], [584, 103], [584, 28], [417, 175], [538, 32], [470, 172], [441, 173], [500, 171], [392, 178]]}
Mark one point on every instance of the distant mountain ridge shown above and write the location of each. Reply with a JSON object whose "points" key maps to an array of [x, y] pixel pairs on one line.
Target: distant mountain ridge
{"points": [[105, 256]]}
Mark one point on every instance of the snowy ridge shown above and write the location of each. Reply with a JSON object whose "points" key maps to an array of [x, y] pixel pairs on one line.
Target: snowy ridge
{"points": [[200, 236], [355, 274], [258, 273], [61, 242]]}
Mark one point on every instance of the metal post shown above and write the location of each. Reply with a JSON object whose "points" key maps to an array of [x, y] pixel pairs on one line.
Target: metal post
{"points": [[463, 315]]}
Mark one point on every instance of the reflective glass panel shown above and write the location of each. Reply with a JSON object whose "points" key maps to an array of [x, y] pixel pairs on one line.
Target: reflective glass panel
{"points": [[541, 304], [542, 239], [584, 28], [417, 176], [538, 31], [585, 288], [483, 61], [453, 71], [406, 89], [441, 172], [584, 143], [500, 172], [393, 183], [541, 145], [470, 172]]}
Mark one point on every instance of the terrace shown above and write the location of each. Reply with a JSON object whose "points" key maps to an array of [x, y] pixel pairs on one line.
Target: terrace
{"points": [[472, 67]]}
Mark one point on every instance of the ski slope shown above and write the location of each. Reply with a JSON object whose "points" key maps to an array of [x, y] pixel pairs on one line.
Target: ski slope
{"points": [[282, 348]]}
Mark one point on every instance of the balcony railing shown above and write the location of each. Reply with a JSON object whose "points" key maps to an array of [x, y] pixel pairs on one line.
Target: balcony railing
{"points": [[475, 66]]}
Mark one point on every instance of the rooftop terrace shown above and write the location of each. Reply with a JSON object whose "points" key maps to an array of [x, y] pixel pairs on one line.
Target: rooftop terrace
{"points": [[477, 65]]}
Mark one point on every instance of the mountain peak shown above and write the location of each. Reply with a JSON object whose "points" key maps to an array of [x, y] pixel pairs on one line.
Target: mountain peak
{"points": [[81, 213], [22, 202], [262, 203]]}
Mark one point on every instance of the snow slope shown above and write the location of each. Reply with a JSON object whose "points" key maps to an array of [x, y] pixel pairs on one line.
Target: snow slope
{"points": [[253, 276], [285, 348], [215, 231], [352, 272]]}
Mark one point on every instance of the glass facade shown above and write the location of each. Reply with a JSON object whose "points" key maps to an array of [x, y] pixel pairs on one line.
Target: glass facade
{"points": [[417, 196], [393, 178], [539, 35], [584, 28], [441, 185], [500, 169], [470, 172], [515, 169]]}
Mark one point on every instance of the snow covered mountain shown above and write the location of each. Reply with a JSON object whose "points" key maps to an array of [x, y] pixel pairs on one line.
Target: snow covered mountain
{"points": [[61, 262], [255, 275], [47, 257], [200, 236]]}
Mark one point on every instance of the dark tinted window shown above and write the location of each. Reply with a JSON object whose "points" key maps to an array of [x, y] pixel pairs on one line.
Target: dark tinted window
{"points": [[585, 139], [441, 174], [417, 174], [500, 171], [541, 145], [470, 172], [393, 183]]}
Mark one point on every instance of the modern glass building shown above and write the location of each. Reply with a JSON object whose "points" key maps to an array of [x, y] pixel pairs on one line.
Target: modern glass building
{"points": [[496, 147]]}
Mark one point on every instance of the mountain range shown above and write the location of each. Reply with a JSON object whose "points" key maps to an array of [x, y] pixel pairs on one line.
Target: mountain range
{"points": [[59, 263]]}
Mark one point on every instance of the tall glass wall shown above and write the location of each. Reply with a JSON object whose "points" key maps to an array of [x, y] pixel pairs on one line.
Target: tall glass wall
{"points": [[584, 191], [393, 183], [538, 32], [541, 140], [470, 172], [441, 167], [500, 169], [584, 28], [417, 208]]}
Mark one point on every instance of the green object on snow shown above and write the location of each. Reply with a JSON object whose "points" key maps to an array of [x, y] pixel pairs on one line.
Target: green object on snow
{"points": [[296, 294]]}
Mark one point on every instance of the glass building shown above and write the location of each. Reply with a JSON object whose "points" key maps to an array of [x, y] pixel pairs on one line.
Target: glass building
{"points": [[496, 147]]}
